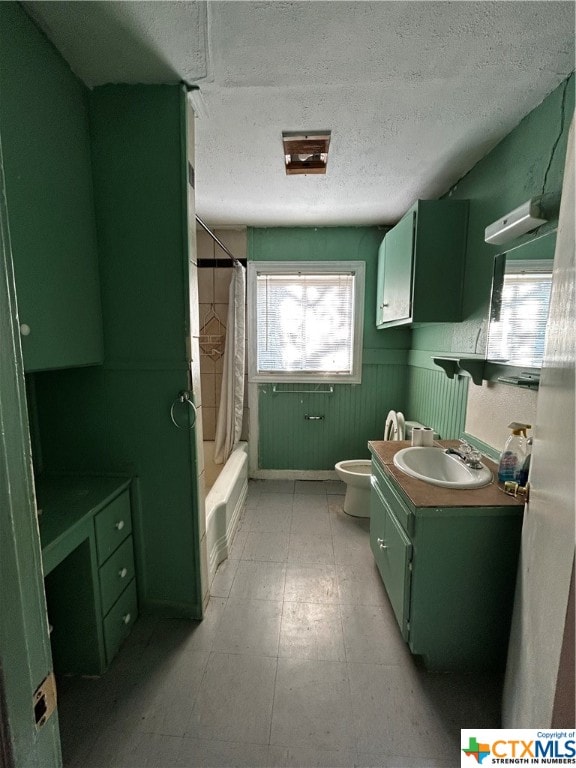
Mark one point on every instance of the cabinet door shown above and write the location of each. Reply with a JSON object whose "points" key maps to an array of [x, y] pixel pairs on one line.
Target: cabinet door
{"points": [[48, 171], [393, 552], [380, 283], [395, 261]]}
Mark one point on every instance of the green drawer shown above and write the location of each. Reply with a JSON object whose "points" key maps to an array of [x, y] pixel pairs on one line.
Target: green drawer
{"points": [[119, 620], [396, 504], [116, 573], [113, 525]]}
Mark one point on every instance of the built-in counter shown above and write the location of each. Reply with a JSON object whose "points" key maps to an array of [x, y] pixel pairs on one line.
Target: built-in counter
{"points": [[448, 560], [422, 494], [87, 555]]}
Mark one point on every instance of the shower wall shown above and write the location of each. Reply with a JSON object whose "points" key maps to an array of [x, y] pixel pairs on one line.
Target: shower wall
{"points": [[213, 285]]}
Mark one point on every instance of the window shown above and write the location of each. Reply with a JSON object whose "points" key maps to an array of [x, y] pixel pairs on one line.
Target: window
{"points": [[518, 327], [305, 321]]}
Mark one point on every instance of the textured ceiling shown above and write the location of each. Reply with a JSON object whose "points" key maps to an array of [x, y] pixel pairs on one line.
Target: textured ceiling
{"points": [[415, 93]]}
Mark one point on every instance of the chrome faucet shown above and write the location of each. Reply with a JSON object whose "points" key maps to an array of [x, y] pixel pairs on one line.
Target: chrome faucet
{"points": [[466, 454]]}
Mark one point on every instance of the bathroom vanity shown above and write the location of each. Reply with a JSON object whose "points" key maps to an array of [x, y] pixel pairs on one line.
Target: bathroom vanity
{"points": [[448, 560], [88, 562]]}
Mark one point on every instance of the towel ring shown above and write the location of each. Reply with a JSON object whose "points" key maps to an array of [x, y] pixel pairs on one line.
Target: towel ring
{"points": [[183, 397]]}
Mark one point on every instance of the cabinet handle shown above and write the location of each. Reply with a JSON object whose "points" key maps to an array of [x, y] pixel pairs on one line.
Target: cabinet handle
{"points": [[381, 544], [126, 618], [119, 525], [24, 330], [123, 572], [384, 305]]}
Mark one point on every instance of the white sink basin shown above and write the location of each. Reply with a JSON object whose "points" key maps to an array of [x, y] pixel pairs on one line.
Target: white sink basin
{"points": [[434, 466]]}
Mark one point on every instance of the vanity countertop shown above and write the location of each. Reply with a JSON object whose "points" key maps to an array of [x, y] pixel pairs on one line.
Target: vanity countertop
{"points": [[422, 494], [68, 503]]}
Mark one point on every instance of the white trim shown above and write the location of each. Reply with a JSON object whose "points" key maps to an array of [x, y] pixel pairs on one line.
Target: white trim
{"points": [[312, 267]]}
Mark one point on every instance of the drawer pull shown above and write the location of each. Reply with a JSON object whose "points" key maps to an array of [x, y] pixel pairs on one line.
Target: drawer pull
{"points": [[123, 572], [126, 618], [381, 544], [119, 525]]}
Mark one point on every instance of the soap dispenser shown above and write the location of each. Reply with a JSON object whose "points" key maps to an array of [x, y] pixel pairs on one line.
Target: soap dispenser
{"points": [[514, 454], [522, 475]]}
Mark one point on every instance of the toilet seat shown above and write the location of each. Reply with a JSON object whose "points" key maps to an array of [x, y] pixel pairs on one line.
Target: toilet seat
{"points": [[356, 473], [394, 428]]}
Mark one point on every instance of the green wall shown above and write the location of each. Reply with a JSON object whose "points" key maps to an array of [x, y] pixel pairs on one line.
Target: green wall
{"points": [[354, 413], [527, 163], [117, 418]]}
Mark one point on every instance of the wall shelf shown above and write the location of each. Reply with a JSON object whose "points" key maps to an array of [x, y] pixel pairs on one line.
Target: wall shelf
{"points": [[457, 366], [481, 370], [506, 374]]}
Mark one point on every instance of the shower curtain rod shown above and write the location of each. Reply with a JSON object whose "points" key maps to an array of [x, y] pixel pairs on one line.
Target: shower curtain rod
{"points": [[217, 240]]}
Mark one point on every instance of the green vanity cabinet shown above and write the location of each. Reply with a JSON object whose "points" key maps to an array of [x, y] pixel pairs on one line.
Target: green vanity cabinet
{"points": [[392, 551], [88, 561], [449, 568], [421, 265]]}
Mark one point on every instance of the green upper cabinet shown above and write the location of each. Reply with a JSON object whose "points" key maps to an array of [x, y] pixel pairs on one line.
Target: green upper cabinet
{"points": [[45, 138], [421, 265]]}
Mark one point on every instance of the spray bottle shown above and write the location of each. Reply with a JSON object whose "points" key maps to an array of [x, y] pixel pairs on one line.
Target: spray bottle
{"points": [[514, 454]]}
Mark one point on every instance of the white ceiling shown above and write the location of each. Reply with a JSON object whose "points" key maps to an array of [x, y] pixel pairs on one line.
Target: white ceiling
{"points": [[415, 93]]}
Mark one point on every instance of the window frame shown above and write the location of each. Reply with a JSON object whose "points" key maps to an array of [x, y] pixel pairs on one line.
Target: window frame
{"points": [[358, 268]]}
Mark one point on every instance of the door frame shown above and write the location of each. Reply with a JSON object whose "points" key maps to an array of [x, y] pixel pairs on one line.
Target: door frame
{"points": [[25, 656]]}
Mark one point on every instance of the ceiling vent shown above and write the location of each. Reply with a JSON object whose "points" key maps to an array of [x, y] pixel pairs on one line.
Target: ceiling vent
{"points": [[306, 152]]}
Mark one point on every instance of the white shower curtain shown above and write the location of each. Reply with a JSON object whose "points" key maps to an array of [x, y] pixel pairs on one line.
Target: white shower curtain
{"points": [[229, 424]]}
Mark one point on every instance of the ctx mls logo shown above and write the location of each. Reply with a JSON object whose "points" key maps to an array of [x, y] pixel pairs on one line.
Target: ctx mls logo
{"points": [[476, 750]]}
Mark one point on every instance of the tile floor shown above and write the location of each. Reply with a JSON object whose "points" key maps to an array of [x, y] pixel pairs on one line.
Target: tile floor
{"points": [[298, 662]]}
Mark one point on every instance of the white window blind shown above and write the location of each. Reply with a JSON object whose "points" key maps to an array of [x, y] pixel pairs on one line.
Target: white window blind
{"points": [[518, 336], [307, 324]]}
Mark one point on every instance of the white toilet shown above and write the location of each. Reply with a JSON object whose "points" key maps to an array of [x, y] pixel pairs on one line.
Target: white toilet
{"points": [[356, 472]]}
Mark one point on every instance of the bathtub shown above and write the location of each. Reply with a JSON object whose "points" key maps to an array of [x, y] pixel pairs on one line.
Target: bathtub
{"points": [[226, 486]]}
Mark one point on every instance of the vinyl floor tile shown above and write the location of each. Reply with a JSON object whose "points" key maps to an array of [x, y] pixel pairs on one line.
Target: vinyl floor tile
{"points": [[223, 578], [360, 584], [310, 486], [297, 663], [271, 519], [305, 757], [311, 518], [312, 706], [180, 636], [312, 631], [250, 627], [235, 699], [276, 502], [277, 486], [372, 636], [311, 583], [306, 548], [392, 717], [259, 580], [198, 753], [272, 547]]}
